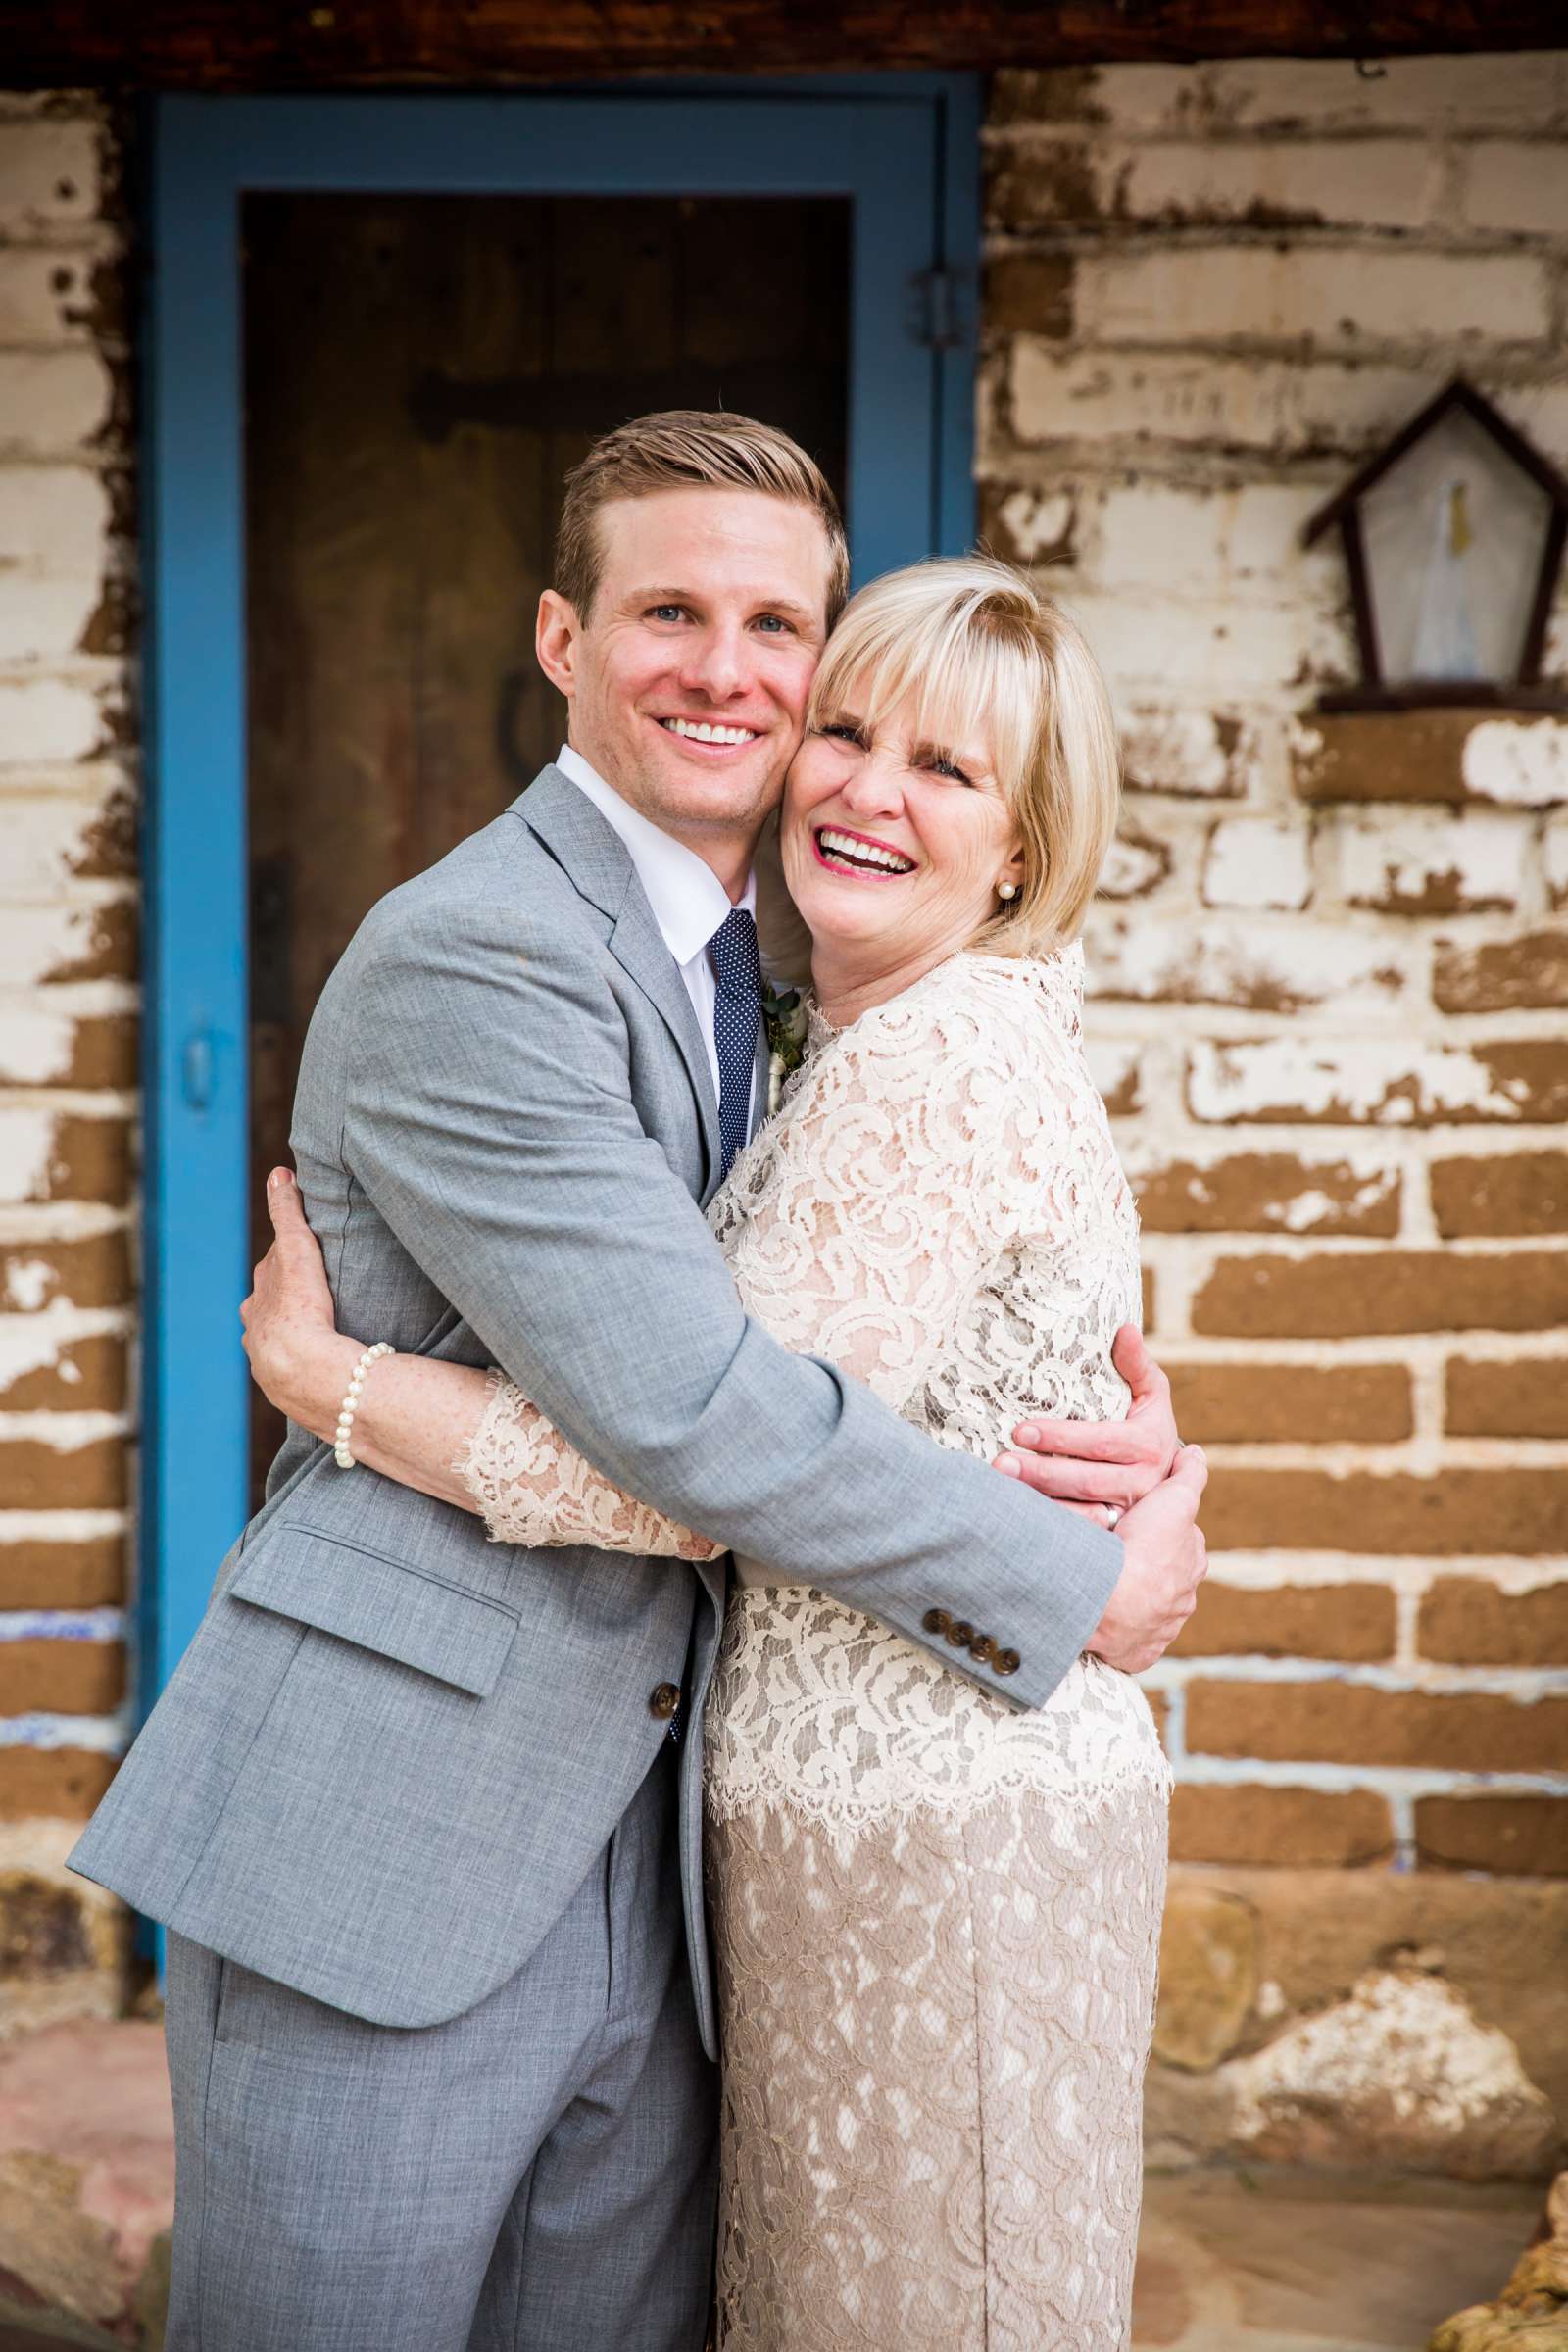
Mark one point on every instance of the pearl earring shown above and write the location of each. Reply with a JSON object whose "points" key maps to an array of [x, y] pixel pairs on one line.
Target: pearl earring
{"points": [[1007, 890]]}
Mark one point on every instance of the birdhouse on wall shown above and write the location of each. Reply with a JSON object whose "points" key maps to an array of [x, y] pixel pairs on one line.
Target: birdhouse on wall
{"points": [[1454, 536]]}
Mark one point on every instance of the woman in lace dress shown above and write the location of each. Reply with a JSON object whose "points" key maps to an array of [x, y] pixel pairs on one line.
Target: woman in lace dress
{"points": [[936, 1914]]}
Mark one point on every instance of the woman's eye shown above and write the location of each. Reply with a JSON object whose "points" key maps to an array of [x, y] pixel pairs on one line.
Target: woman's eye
{"points": [[841, 734], [951, 768]]}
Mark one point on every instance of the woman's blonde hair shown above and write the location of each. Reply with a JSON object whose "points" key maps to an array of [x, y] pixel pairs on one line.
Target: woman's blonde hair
{"points": [[965, 643]]}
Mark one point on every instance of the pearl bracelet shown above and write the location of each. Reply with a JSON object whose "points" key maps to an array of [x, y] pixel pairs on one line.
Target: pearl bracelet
{"points": [[342, 1451]]}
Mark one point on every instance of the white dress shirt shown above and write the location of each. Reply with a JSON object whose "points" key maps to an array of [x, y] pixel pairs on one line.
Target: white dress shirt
{"points": [[688, 899]]}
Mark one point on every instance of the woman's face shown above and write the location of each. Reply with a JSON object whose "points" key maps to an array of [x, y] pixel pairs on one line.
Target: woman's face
{"points": [[893, 846]]}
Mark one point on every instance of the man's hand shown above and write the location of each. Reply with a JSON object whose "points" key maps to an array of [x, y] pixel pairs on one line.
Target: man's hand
{"points": [[1101, 1469], [1167, 1560]]}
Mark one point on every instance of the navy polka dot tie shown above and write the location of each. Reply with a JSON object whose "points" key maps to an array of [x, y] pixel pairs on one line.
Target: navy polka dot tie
{"points": [[737, 1007]]}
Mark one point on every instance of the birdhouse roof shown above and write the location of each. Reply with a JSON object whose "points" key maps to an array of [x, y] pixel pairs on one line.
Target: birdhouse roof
{"points": [[1457, 395]]}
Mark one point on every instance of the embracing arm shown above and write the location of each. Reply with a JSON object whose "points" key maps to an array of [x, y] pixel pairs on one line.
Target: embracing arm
{"points": [[916, 1147], [425, 1420], [488, 1118], [467, 1437]]}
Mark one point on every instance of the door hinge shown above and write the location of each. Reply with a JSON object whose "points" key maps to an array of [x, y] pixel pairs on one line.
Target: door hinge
{"points": [[940, 322]]}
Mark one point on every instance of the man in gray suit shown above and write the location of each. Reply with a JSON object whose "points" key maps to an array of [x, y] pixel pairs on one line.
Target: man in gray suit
{"points": [[440, 2018]]}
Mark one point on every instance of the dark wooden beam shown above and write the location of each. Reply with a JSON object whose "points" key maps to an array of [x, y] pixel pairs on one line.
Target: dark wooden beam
{"points": [[410, 44]]}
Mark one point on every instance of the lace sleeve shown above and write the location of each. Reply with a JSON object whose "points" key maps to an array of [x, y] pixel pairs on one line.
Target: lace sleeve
{"points": [[909, 1150], [912, 1150], [533, 1487]]}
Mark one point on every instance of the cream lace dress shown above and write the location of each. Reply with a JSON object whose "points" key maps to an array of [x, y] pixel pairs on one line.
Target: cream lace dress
{"points": [[936, 1913]]}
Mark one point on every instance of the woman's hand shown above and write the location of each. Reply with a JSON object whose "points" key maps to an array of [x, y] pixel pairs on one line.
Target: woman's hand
{"points": [[1103, 1469], [296, 1354]]}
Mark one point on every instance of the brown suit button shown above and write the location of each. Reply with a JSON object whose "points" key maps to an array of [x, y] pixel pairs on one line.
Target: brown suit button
{"points": [[982, 1649], [961, 1634], [936, 1621], [665, 1701], [1006, 1661]]}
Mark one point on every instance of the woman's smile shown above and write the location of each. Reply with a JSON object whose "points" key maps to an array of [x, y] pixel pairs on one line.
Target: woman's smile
{"points": [[858, 855]]}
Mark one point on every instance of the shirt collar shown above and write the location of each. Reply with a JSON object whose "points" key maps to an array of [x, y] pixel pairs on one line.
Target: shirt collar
{"points": [[688, 899]]}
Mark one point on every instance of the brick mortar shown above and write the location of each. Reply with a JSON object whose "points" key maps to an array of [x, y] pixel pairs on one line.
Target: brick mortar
{"points": [[56, 1426], [33, 776], [83, 1102], [1334, 1456], [1195, 437], [74, 999], [100, 1734], [1431, 1677], [1422, 1353], [1509, 1572], [1281, 603], [75, 668], [69, 457], [63, 1526], [1415, 1023], [50, 1221]]}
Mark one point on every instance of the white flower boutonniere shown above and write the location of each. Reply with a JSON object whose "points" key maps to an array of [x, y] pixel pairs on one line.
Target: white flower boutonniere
{"points": [[784, 1016]]}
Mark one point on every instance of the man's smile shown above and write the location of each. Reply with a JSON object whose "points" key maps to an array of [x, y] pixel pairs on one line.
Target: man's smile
{"points": [[711, 734]]}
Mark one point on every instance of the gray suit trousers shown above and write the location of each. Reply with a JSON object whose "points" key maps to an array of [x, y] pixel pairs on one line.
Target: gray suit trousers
{"points": [[533, 2175]]}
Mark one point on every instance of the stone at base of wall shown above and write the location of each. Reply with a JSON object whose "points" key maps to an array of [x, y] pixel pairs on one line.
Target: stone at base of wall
{"points": [[1340, 2017], [1306, 2016], [1532, 2311], [86, 2183], [64, 1943]]}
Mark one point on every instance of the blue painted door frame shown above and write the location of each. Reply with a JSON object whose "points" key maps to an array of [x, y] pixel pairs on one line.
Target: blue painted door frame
{"points": [[904, 149]]}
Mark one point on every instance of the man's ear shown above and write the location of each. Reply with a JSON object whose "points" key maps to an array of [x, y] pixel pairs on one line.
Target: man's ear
{"points": [[554, 641]]}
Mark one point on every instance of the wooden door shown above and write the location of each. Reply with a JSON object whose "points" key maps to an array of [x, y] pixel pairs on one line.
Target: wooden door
{"points": [[371, 424], [420, 373]]}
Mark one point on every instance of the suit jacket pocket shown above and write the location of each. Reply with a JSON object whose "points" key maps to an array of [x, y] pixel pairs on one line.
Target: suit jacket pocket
{"points": [[379, 1603]]}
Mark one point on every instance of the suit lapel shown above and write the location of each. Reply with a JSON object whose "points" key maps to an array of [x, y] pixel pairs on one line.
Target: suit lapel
{"points": [[760, 1071], [595, 857], [638, 947]]}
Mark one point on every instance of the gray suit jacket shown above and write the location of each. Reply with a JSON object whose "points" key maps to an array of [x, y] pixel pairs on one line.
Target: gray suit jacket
{"points": [[394, 1747]]}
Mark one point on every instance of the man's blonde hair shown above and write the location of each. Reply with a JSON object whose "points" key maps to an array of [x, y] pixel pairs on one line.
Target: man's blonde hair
{"points": [[683, 449], [967, 646]]}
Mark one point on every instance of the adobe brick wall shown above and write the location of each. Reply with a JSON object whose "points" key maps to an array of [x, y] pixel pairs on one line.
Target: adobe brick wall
{"points": [[1329, 969], [1330, 988], [67, 1039]]}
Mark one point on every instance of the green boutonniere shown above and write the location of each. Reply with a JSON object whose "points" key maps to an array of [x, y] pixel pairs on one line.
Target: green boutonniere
{"points": [[784, 1017], [784, 1014]]}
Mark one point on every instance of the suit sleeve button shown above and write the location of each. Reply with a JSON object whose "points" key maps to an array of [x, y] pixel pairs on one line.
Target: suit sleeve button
{"points": [[936, 1621], [961, 1634], [663, 1702], [982, 1649], [1006, 1661]]}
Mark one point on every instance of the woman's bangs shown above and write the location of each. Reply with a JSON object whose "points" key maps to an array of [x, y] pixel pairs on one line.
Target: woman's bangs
{"points": [[949, 672]]}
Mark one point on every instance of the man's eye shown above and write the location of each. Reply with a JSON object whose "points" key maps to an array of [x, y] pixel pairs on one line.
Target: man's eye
{"points": [[666, 613], [774, 624]]}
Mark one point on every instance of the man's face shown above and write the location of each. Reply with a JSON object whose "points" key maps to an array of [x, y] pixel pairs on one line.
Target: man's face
{"points": [[688, 682]]}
